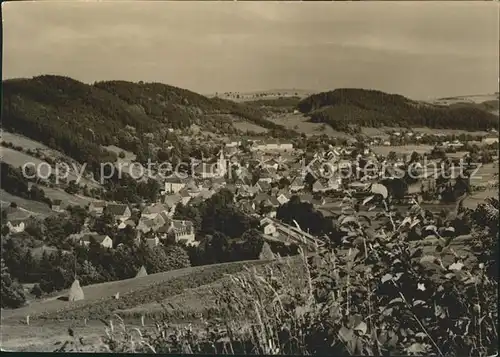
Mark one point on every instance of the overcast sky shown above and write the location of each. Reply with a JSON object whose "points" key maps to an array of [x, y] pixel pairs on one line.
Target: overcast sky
{"points": [[418, 49]]}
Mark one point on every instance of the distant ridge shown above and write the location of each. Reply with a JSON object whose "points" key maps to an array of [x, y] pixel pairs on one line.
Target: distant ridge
{"points": [[342, 108]]}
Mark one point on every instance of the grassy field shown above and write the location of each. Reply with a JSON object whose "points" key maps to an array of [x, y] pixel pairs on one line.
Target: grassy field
{"points": [[99, 298], [26, 206], [177, 297], [301, 124], [447, 131], [403, 149], [18, 159], [190, 290], [485, 174], [26, 143], [66, 198], [244, 126]]}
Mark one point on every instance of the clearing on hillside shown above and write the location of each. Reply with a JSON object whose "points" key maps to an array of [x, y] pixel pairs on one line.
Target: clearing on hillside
{"points": [[301, 124], [133, 292], [26, 207]]}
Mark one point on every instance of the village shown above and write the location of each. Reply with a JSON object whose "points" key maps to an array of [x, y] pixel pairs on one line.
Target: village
{"points": [[264, 175]]}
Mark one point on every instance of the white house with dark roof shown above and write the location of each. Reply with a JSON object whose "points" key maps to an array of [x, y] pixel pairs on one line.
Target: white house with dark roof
{"points": [[173, 184], [56, 206], [16, 225], [183, 231], [103, 240], [272, 145]]}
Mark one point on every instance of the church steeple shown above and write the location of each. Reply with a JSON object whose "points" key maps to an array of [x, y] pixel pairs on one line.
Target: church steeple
{"points": [[221, 164]]}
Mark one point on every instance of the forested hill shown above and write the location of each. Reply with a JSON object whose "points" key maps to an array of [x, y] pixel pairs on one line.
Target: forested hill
{"points": [[77, 118], [349, 106]]}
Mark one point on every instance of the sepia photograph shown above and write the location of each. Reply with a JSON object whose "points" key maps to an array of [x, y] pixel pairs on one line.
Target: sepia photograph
{"points": [[250, 177]]}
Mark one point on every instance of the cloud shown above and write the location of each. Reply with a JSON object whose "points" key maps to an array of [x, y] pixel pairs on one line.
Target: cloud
{"points": [[220, 46]]}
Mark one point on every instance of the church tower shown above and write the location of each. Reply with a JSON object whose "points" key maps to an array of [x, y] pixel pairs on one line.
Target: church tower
{"points": [[222, 164]]}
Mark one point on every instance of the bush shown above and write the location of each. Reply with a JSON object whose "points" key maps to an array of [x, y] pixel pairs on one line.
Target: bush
{"points": [[12, 293]]}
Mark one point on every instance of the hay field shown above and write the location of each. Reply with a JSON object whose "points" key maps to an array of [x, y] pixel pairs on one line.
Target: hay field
{"points": [[101, 295]]}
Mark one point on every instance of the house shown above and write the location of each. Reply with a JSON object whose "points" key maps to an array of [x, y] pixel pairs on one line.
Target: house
{"points": [[217, 169], [97, 207], [282, 198], [120, 212], [154, 210], [263, 186], [359, 186], [217, 183], [266, 177], [308, 198], [318, 201], [242, 181], [185, 196], [172, 200], [272, 146], [247, 206], [127, 223], [269, 228], [272, 202], [297, 184], [233, 144], [489, 139], [318, 186], [152, 242], [57, 206], [334, 183], [104, 240], [147, 224], [183, 231], [173, 184], [16, 226], [244, 191], [261, 197]]}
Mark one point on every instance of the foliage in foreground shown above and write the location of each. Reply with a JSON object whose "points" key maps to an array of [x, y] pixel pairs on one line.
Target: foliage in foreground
{"points": [[375, 294]]}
